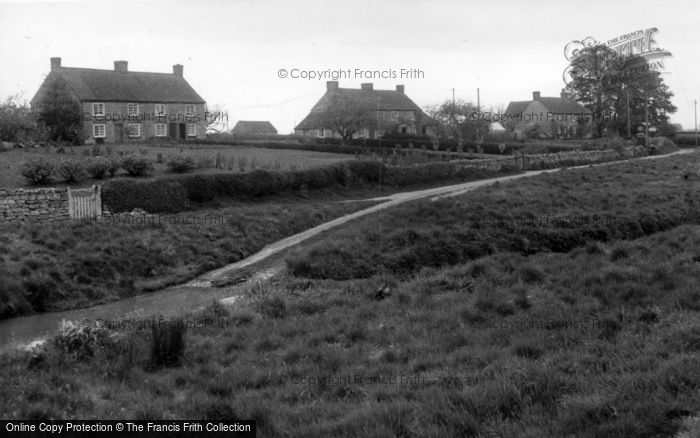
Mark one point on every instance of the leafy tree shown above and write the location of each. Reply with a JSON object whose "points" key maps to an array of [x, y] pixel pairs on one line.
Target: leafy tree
{"points": [[16, 120], [60, 112], [601, 81], [460, 120]]}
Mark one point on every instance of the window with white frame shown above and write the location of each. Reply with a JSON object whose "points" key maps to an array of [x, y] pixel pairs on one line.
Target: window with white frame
{"points": [[132, 109], [160, 129], [98, 109], [320, 132], [99, 131], [160, 109], [134, 130], [189, 109], [394, 115], [191, 129]]}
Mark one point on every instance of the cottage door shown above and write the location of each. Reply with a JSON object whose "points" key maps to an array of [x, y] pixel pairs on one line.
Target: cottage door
{"points": [[172, 131], [118, 133]]}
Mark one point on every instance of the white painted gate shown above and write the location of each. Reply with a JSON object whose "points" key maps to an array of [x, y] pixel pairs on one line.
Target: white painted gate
{"points": [[85, 203]]}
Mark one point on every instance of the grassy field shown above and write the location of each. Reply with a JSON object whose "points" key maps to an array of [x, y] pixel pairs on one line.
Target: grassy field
{"points": [[458, 320], [231, 159]]}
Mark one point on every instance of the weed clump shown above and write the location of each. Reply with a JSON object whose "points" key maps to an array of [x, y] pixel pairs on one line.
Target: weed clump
{"points": [[167, 343]]}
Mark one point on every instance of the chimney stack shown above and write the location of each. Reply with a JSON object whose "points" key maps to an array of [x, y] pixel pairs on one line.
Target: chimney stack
{"points": [[331, 85], [399, 88], [55, 64], [368, 86], [564, 94], [535, 95], [121, 66], [177, 70]]}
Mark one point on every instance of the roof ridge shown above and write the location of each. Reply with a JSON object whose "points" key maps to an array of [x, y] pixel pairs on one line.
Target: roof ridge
{"points": [[113, 71]]}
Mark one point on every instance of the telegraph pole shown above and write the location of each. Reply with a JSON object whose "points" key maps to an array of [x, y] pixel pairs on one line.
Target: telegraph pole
{"points": [[646, 119], [629, 125], [696, 123], [478, 101], [453, 113], [478, 111]]}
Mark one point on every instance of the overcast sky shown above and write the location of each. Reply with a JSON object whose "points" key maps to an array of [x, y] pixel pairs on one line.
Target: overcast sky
{"points": [[232, 51]]}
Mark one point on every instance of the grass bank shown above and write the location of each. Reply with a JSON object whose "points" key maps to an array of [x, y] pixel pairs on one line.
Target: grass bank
{"points": [[600, 342], [552, 212], [78, 264]]}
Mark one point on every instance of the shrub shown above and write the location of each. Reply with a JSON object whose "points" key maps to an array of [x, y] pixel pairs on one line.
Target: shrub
{"points": [[115, 163], [137, 166], [167, 343], [159, 196], [179, 163], [79, 342], [72, 170], [97, 167], [38, 170], [12, 301]]}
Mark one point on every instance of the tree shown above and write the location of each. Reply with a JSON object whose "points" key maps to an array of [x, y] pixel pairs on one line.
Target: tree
{"points": [[16, 120], [346, 117], [60, 112], [460, 120], [602, 81]]}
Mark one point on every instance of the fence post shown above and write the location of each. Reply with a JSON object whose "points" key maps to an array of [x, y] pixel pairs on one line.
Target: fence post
{"points": [[98, 200]]}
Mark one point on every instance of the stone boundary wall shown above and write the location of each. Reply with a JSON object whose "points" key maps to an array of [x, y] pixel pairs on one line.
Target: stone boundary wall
{"points": [[45, 204], [542, 161]]}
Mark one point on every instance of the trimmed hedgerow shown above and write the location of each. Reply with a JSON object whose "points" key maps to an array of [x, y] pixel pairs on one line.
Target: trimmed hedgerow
{"points": [[261, 183], [157, 196]]}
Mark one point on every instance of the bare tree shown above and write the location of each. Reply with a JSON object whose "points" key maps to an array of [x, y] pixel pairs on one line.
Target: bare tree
{"points": [[346, 117]]}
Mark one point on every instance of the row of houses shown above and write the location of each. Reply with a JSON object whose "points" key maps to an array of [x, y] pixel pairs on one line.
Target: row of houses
{"points": [[119, 105]]}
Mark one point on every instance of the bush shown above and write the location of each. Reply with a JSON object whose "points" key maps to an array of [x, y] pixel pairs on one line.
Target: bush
{"points": [[115, 163], [137, 166], [79, 342], [179, 163], [72, 171], [38, 170], [98, 167], [159, 196]]}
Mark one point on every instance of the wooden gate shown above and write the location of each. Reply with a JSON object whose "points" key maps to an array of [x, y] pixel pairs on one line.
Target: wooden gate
{"points": [[85, 203]]}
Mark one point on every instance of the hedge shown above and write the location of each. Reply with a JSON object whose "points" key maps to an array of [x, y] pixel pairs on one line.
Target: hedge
{"points": [[359, 145], [174, 192], [685, 140], [155, 196]]}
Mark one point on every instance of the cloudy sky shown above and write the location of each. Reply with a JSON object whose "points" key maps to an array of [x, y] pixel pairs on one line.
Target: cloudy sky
{"points": [[233, 51]]}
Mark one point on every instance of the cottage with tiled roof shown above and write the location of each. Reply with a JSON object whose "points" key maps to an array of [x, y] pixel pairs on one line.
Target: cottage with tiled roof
{"points": [[254, 127], [370, 113], [547, 117], [121, 105]]}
